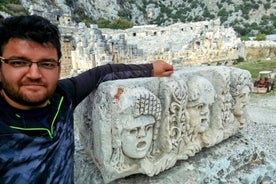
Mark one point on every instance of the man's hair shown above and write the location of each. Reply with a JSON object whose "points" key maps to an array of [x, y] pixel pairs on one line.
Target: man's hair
{"points": [[30, 27], [1, 18]]}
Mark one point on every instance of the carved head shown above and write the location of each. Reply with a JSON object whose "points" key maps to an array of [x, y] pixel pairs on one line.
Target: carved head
{"points": [[141, 112], [240, 88], [201, 95]]}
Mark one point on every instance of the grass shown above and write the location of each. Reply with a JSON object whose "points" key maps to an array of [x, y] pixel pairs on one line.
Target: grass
{"points": [[255, 66]]}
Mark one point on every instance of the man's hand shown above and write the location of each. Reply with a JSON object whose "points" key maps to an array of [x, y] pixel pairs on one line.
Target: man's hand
{"points": [[161, 69]]}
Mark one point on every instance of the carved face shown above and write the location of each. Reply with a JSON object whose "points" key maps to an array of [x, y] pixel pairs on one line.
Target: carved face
{"points": [[137, 136], [201, 97], [241, 101], [199, 116]]}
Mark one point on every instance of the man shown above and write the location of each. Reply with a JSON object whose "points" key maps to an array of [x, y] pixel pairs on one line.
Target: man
{"points": [[36, 108]]}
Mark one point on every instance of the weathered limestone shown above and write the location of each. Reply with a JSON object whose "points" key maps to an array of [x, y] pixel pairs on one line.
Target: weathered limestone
{"points": [[205, 42], [182, 44], [260, 50], [146, 125]]}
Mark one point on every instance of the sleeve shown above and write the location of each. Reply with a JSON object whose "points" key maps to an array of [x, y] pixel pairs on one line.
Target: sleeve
{"points": [[80, 86]]}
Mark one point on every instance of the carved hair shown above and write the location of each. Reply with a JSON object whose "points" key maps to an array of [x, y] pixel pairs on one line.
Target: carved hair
{"points": [[239, 80], [148, 104], [199, 88]]}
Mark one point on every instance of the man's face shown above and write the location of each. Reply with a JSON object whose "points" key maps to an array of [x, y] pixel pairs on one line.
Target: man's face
{"points": [[29, 87]]}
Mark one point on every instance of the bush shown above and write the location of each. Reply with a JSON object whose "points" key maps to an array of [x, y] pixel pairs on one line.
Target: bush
{"points": [[103, 23], [120, 23], [267, 6], [242, 30], [260, 37], [82, 16], [240, 59]]}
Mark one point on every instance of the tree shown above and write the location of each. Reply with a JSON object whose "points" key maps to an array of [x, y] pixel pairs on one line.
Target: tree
{"points": [[260, 37], [242, 30], [267, 6]]}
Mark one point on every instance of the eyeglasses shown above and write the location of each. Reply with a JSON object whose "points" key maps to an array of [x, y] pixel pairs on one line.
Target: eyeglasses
{"points": [[24, 63]]}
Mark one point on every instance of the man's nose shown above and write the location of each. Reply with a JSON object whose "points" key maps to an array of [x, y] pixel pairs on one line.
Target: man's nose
{"points": [[34, 71]]}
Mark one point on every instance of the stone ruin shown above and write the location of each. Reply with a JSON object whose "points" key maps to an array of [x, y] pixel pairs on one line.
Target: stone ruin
{"points": [[205, 42], [180, 43], [146, 125]]}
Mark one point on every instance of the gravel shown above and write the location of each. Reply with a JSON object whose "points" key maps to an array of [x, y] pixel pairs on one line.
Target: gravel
{"points": [[262, 129]]}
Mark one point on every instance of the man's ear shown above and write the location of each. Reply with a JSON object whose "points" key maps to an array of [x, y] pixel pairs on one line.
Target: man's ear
{"points": [[1, 73], [59, 68], [0, 78], [59, 72]]}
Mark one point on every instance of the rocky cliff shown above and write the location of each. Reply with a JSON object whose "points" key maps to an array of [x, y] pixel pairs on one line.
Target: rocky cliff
{"points": [[247, 16]]}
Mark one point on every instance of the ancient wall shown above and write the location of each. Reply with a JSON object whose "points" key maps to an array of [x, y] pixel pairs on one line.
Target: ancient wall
{"points": [[146, 125], [66, 60], [260, 50], [205, 42], [180, 44], [184, 44]]}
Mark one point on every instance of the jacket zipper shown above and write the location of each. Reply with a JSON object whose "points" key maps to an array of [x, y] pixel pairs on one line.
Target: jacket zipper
{"points": [[51, 131]]}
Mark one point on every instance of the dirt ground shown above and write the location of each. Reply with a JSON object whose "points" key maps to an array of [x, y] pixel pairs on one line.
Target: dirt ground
{"points": [[262, 129]]}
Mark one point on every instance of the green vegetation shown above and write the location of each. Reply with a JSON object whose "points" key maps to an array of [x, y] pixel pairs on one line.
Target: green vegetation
{"points": [[3, 2], [187, 11], [255, 66], [12, 7], [125, 13], [70, 3], [245, 38], [183, 13], [120, 23], [83, 17], [260, 37]]}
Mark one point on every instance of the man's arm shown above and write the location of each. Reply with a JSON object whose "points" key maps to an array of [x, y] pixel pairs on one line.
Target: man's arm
{"points": [[158, 68], [82, 85]]}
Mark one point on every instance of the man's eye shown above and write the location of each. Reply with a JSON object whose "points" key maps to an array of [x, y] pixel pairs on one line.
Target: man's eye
{"points": [[18, 63], [48, 64]]}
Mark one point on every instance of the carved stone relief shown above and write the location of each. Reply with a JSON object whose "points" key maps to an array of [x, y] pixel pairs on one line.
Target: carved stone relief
{"points": [[146, 125]]}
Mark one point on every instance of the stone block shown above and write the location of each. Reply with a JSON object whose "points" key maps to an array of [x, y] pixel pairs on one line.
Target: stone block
{"points": [[146, 125]]}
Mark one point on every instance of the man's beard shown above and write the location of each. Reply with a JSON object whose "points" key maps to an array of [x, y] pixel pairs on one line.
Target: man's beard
{"points": [[21, 98]]}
